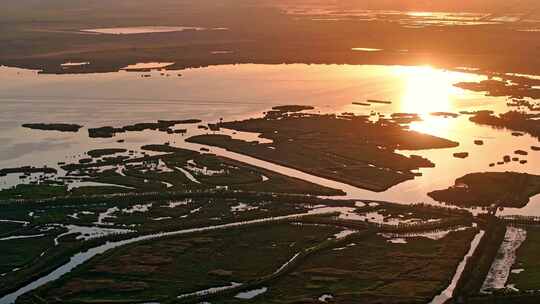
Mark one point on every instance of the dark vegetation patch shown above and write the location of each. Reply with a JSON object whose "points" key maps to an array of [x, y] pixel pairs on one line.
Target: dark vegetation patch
{"points": [[177, 170], [292, 108], [379, 101], [199, 210], [105, 152], [25, 191], [461, 154], [18, 253], [6, 228], [161, 125], [206, 171], [371, 270], [357, 103], [479, 112], [405, 118], [185, 213], [513, 120], [47, 47], [517, 87], [503, 189], [62, 127], [347, 149], [27, 170], [165, 268], [25, 260], [445, 114]]}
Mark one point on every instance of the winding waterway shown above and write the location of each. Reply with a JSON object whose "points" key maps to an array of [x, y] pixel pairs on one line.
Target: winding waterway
{"points": [[82, 257]]}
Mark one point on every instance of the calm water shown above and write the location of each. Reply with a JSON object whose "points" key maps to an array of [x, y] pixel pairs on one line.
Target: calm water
{"points": [[241, 91], [145, 30]]}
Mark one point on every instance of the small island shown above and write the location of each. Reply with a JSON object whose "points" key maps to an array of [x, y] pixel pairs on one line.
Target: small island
{"points": [[521, 152], [517, 122], [27, 170], [405, 118], [104, 152], [516, 87], [349, 149], [160, 125], [379, 101], [356, 103], [461, 155], [292, 108], [497, 189], [445, 114], [61, 127]]}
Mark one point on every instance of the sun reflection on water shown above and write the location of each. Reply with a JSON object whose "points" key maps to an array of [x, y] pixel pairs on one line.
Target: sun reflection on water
{"points": [[427, 90], [436, 126]]}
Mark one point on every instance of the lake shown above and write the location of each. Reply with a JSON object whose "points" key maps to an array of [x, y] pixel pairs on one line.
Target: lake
{"points": [[241, 91]]}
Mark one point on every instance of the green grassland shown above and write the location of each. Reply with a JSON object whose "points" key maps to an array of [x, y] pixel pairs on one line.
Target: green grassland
{"points": [[371, 270], [144, 174], [365, 269], [33, 191], [353, 150], [198, 210], [18, 253], [504, 189], [169, 267]]}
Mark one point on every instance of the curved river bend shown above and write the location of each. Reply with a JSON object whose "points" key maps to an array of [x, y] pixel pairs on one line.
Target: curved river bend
{"points": [[82, 257]]}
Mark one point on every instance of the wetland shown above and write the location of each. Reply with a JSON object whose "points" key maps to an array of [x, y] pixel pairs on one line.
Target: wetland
{"points": [[269, 152], [196, 169]]}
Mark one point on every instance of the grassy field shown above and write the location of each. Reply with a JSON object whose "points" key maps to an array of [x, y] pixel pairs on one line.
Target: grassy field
{"points": [[202, 212], [354, 150], [372, 270], [18, 253], [503, 189], [173, 266], [7, 228], [363, 269], [33, 191], [140, 217], [178, 170]]}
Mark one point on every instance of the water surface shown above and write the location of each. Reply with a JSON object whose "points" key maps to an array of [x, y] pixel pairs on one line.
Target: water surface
{"points": [[242, 91], [142, 30]]}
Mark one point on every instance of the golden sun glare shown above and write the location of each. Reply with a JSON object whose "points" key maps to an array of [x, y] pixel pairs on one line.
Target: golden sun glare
{"points": [[427, 90]]}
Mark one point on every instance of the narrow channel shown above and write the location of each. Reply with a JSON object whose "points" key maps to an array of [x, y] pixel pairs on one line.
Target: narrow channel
{"points": [[351, 193], [448, 293], [82, 257]]}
